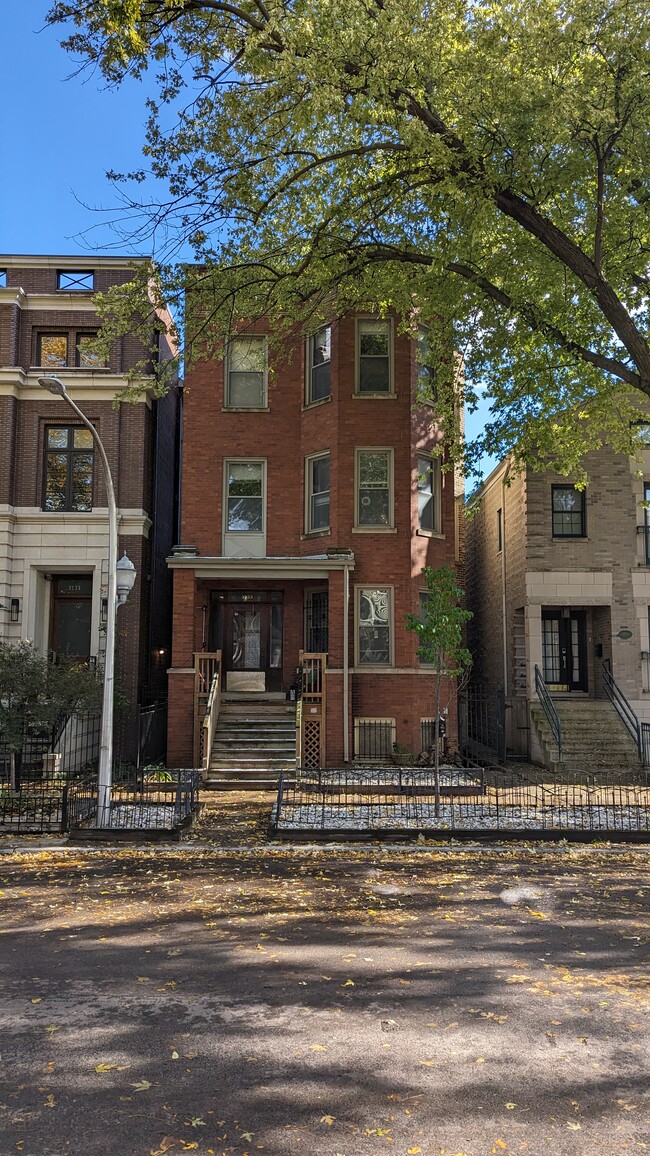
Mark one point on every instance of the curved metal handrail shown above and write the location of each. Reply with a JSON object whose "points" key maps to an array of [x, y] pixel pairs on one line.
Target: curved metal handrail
{"points": [[548, 707], [622, 706]]}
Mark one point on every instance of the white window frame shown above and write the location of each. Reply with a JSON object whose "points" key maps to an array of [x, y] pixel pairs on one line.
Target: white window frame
{"points": [[309, 365], [250, 337], [226, 494], [433, 469], [358, 591], [379, 528], [387, 321], [309, 493]]}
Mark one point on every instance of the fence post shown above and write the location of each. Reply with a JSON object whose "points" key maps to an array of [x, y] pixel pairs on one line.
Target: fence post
{"points": [[64, 807]]}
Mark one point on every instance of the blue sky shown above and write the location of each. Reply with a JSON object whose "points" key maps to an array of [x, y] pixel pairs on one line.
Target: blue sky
{"points": [[60, 136], [61, 133]]}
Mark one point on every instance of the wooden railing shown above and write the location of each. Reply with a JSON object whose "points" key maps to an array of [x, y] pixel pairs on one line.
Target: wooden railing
{"points": [[209, 724], [207, 663], [311, 711]]}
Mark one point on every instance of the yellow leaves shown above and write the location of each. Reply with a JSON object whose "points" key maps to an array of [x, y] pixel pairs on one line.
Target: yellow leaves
{"points": [[511, 1107], [199, 1122], [111, 1067], [166, 1143], [480, 1060], [428, 1063], [51, 1029], [329, 1120], [246, 1136], [175, 1055], [318, 1047], [499, 1146], [574, 1127], [414, 1151], [141, 1085], [49, 1101], [38, 1000], [348, 983], [536, 914]]}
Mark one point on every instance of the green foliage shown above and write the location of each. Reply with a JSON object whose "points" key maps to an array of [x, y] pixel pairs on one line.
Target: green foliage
{"points": [[439, 629], [34, 693], [478, 167]]}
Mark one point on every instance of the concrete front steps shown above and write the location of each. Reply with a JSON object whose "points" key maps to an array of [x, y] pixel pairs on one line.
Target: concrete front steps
{"points": [[255, 740], [595, 741]]}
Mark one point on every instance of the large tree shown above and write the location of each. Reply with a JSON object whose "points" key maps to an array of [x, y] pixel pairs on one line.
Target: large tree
{"points": [[479, 165]]}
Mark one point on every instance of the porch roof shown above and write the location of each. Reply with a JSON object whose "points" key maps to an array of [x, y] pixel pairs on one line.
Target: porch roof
{"points": [[309, 566]]}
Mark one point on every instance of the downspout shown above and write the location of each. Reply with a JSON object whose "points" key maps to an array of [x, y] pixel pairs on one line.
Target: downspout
{"points": [[346, 664], [503, 581]]}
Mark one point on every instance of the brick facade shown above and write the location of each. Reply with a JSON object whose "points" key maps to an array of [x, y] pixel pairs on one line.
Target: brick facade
{"points": [[284, 433], [38, 545]]}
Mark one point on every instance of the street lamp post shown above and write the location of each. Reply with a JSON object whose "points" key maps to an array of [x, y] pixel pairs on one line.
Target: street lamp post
{"points": [[121, 577]]}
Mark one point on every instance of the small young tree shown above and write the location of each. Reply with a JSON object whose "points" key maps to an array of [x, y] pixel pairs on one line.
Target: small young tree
{"points": [[439, 630], [33, 695]]}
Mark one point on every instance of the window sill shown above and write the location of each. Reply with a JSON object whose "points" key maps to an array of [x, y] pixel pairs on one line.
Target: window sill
{"points": [[430, 534], [316, 533], [372, 667], [315, 404], [245, 409], [570, 538], [374, 529], [50, 369], [388, 395]]}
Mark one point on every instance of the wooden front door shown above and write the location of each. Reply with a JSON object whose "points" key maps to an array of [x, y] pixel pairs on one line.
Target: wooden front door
{"points": [[252, 640], [564, 649]]}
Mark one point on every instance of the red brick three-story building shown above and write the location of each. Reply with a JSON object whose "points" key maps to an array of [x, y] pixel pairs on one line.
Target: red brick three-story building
{"points": [[312, 497]]}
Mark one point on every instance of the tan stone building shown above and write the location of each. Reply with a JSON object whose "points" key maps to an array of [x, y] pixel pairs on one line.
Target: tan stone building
{"points": [[559, 578]]}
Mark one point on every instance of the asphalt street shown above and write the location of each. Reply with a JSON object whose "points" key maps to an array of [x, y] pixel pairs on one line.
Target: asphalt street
{"points": [[330, 1002]]}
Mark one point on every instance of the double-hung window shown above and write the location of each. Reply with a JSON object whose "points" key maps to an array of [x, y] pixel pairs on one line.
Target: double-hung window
{"points": [[374, 357], [52, 350], [69, 461], [568, 512], [374, 488], [374, 626], [245, 497], [246, 373], [87, 357], [319, 361], [429, 495], [318, 493]]}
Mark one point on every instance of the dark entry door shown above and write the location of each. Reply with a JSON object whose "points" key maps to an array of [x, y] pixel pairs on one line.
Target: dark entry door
{"points": [[71, 617], [564, 649], [252, 640]]}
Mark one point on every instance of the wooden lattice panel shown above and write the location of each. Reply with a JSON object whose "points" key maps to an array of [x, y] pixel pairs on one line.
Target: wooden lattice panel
{"points": [[311, 744]]}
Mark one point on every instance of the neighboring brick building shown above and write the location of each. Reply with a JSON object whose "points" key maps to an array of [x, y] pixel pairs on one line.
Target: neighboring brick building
{"points": [[560, 578], [53, 512], [310, 504]]}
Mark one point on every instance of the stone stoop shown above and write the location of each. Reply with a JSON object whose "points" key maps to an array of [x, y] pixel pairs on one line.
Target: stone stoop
{"points": [[254, 741], [595, 740]]}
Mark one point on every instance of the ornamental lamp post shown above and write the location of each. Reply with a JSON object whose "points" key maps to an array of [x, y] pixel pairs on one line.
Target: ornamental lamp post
{"points": [[121, 577]]}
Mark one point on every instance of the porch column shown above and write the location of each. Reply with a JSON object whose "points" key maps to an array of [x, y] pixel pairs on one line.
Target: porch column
{"points": [[180, 676]]}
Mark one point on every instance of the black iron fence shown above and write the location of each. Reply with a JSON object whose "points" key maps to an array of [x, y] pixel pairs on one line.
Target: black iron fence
{"points": [[158, 801], [475, 802], [36, 780], [152, 733], [482, 724]]}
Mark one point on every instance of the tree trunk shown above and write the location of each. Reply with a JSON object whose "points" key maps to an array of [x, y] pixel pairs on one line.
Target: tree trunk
{"points": [[436, 752]]}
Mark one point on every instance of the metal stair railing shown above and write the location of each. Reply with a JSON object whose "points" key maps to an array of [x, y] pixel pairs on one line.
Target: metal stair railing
{"points": [[548, 707], [625, 712]]}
